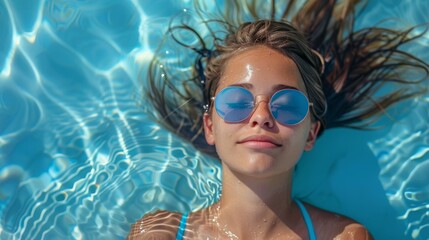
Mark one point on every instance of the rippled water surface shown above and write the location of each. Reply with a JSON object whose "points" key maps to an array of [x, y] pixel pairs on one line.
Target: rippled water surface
{"points": [[80, 159]]}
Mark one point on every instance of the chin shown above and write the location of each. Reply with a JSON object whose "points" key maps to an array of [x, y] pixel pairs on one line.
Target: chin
{"points": [[262, 165]]}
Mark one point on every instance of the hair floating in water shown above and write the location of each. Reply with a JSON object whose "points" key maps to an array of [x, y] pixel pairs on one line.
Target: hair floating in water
{"points": [[351, 66]]}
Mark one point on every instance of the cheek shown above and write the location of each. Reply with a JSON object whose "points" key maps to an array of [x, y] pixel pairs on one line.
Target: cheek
{"points": [[303, 133], [222, 130], [296, 137], [218, 129], [225, 135]]}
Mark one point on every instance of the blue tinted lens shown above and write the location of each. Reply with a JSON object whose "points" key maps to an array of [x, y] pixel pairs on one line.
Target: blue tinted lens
{"points": [[234, 104], [289, 107]]}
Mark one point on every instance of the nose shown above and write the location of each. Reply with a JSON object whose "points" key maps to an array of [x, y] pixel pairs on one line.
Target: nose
{"points": [[261, 115]]}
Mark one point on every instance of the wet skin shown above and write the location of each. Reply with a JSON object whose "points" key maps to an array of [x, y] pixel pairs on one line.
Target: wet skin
{"points": [[259, 146], [258, 159]]}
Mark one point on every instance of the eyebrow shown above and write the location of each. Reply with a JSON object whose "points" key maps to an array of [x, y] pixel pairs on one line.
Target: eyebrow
{"points": [[275, 88]]}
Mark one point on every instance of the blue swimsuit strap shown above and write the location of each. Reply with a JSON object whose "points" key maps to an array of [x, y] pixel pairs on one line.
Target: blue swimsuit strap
{"points": [[182, 227], [307, 219], [304, 212]]}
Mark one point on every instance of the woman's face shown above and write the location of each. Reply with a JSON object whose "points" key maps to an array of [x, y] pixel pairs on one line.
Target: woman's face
{"points": [[260, 146]]}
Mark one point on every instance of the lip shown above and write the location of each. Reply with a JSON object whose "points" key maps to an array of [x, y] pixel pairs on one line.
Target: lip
{"points": [[260, 141]]}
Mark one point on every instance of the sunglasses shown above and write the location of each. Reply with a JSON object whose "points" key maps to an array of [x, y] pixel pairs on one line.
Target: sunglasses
{"points": [[235, 104]]}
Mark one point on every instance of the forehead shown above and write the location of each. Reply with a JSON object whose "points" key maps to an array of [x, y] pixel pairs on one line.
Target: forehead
{"points": [[261, 67]]}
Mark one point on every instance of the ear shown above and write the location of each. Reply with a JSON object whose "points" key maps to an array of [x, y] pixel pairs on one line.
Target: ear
{"points": [[208, 129], [312, 135]]}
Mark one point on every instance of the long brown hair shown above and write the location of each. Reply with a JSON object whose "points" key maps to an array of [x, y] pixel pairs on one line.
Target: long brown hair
{"points": [[355, 65]]}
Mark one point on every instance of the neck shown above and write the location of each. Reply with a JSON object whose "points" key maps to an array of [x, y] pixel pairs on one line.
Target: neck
{"points": [[259, 203]]}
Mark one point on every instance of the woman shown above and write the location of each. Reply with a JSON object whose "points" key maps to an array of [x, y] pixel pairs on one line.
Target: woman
{"points": [[268, 94]]}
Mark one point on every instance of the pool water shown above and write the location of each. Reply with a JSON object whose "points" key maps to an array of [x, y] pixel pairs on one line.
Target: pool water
{"points": [[80, 159]]}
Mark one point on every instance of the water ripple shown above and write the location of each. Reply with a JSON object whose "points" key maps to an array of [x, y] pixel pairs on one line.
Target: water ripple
{"points": [[405, 165], [79, 158]]}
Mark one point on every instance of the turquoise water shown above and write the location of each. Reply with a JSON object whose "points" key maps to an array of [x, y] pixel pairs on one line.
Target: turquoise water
{"points": [[80, 159]]}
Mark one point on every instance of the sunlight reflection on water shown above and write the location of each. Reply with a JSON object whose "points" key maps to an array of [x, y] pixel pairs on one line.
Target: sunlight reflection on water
{"points": [[79, 157], [403, 155]]}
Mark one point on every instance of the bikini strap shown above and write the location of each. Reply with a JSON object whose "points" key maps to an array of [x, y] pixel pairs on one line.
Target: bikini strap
{"points": [[304, 212], [182, 227], [307, 219]]}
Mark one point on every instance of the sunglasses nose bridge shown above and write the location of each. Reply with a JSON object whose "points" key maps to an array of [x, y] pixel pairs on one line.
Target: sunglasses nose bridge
{"points": [[261, 98], [261, 113]]}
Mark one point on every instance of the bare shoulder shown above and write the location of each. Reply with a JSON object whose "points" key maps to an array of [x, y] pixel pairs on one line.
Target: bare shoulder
{"points": [[159, 225], [354, 231], [329, 225]]}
